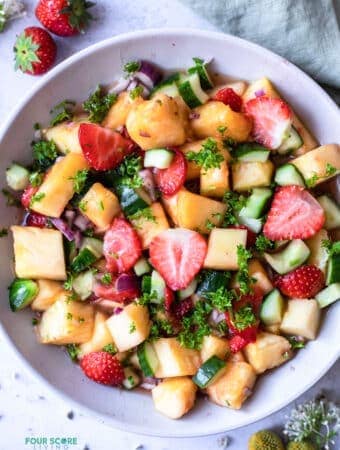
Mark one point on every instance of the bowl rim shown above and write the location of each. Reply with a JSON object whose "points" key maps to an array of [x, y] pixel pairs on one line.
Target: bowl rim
{"points": [[116, 40]]}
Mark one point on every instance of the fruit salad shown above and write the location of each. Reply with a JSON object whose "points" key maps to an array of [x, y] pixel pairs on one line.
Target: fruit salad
{"points": [[179, 235]]}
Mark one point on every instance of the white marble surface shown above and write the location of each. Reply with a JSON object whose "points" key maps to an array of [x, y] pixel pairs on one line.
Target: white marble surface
{"points": [[26, 408]]}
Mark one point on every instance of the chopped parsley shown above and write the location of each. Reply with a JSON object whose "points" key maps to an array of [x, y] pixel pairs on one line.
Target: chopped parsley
{"points": [[129, 170], [209, 157], [147, 298], [69, 316], [221, 299], [110, 348], [101, 205], [209, 225], [106, 278], [330, 170], [195, 326], [35, 321], [160, 327], [242, 276], [82, 205], [36, 178], [132, 327], [37, 198], [235, 202], [295, 342], [98, 105], [11, 200], [73, 350], [244, 317], [81, 319], [63, 111], [131, 67], [44, 154], [263, 244], [79, 180], [136, 92], [145, 214], [3, 232], [331, 247], [311, 182], [222, 129], [68, 284]]}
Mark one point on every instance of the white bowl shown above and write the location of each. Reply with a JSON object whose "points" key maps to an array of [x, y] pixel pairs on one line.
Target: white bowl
{"points": [[73, 79]]}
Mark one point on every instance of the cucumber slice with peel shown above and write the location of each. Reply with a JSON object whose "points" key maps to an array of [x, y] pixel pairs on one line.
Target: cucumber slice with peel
{"points": [[132, 200], [209, 372], [251, 152], [201, 69], [254, 225], [17, 177], [211, 281], [157, 286], [189, 290], [288, 174], [271, 312], [291, 257], [332, 212], [333, 269], [21, 293], [158, 157], [83, 260], [168, 86], [148, 359], [94, 245], [291, 143], [328, 295], [141, 267], [190, 89], [83, 284], [256, 203]]}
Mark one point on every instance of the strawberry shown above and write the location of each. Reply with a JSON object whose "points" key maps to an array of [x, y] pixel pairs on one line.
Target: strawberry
{"points": [[35, 51], [182, 307], [122, 247], [103, 368], [36, 220], [251, 236], [229, 97], [169, 298], [27, 195], [239, 341], [111, 292], [178, 255], [170, 180], [104, 149], [294, 214], [64, 17], [303, 282], [272, 119]]}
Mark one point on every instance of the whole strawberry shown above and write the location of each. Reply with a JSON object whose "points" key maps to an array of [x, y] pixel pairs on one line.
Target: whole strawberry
{"points": [[64, 17], [303, 282], [35, 51], [103, 368]]}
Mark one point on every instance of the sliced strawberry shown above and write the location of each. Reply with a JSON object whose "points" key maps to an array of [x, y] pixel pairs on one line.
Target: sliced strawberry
{"points": [[303, 282], [122, 247], [104, 149], [272, 119], [251, 236], [239, 341], [27, 195], [113, 292], [229, 97], [294, 214], [103, 368], [169, 298], [170, 180], [178, 255], [34, 219]]}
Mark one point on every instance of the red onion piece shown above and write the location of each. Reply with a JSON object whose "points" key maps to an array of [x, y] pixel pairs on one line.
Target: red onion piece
{"points": [[63, 227], [149, 183], [106, 305], [126, 282], [132, 85], [149, 383], [216, 317], [120, 86], [78, 238], [70, 216], [259, 93], [194, 115], [82, 222], [148, 74]]}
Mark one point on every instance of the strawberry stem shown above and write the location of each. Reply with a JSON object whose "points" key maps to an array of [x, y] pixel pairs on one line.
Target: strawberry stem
{"points": [[77, 13], [25, 53]]}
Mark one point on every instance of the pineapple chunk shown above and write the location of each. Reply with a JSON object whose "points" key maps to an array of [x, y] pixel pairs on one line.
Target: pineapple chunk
{"points": [[274, 329], [101, 335], [302, 318], [237, 86], [214, 345], [215, 182], [130, 327], [208, 118], [100, 206], [234, 386], [148, 229], [65, 135], [194, 211], [66, 322], [175, 360], [258, 272], [267, 352], [174, 397], [58, 186], [117, 115], [222, 248], [236, 357], [170, 204], [247, 175], [47, 295], [315, 163], [318, 253], [265, 85], [39, 253]]}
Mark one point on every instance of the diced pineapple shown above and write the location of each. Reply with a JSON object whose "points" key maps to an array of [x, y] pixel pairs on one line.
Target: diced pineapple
{"points": [[237, 86], [58, 186], [38, 253], [101, 336], [215, 182], [195, 211], [117, 115], [214, 345], [148, 229], [318, 253], [208, 119], [234, 386], [274, 329], [174, 397], [130, 327], [247, 175], [257, 271], [47, 295], [268, 351], [317, 163], [65, 135], [170, 204], [66, 322], [302, 318], [175, 360], [100, 205], [268, 89], [222, 248], [236, 357]]}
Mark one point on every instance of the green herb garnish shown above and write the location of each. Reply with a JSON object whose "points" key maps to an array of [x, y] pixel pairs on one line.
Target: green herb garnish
{"points": [[73, 350], [330, 170], [209, 157], [263, 244], [131, 67], [63, 111], [106, 278], [98, 105], [36, 178], [242, 276], [79, 180], [110, 348], [145, 213], [132, 327], [195, 326], [44, 154], [129, 170], [136, 92], [3, 232], [331, 247], [37, 198], [235, 202], [295, 342], [221, 299], [244, 318]]}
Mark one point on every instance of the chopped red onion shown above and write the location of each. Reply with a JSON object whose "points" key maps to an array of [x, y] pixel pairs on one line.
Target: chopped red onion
{"points": [[132, 85], [120, 86], [63, 227], [259, 93], [82, 222], [126, 282], [216, 317], [149, 183], [149, 383], [70, 216], [194, 115], [117, 310], [108, 306], [78, 238], [148, 74]]}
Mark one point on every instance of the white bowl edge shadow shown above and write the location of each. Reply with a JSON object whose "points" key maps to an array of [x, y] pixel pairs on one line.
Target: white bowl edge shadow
{"points": [[170, 48]]}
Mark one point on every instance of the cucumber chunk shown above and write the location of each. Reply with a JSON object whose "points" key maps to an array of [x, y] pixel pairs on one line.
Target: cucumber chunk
{"points": [[209, 372], [250, 152], [288, 174], [146, 284], [254, 225], [158, 157], [189, 290], [291, 143], [256, 203], [157, 286], [94, 245], [333, 269], [168, 86], [332, 212], [17, 177], [83, 260], [22, 292], [131, 379], [148, 359], [211, 281], [328, 295], [83, 284], [190, 89], [132, 200], [141, 267], [291, 257], [271, 312], [201, 69]]}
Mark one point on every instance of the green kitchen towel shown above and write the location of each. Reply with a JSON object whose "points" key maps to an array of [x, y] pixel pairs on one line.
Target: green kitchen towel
{"points": [[306, 32]]}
